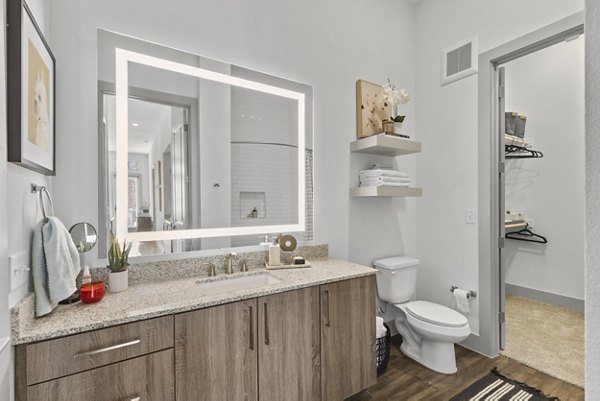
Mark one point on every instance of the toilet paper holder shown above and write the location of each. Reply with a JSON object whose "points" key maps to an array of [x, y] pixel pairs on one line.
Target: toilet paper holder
{"points": [[471, 294]]}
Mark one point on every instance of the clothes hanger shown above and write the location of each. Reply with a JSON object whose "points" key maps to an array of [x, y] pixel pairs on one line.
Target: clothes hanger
{"points": [[520, 152], [523, 235]]}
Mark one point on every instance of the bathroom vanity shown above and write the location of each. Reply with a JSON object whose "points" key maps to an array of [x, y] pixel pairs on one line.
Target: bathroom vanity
{"points": [[304, 334]]}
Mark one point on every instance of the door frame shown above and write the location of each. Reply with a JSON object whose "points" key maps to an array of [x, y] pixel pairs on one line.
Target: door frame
{"points": [[490, 167]]}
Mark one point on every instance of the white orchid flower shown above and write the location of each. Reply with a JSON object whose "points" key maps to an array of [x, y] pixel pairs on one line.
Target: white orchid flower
{"points": [[394, 95]]}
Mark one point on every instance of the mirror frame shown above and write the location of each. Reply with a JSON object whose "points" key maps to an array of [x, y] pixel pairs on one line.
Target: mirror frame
{"points": [[123, 58]]}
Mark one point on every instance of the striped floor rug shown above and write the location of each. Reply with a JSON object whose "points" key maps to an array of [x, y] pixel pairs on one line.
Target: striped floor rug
{"points": [[496, 387]]}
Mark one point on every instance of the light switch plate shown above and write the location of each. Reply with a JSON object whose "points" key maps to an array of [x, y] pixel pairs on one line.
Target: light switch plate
{"points": [[470, 216], [19, 270]]}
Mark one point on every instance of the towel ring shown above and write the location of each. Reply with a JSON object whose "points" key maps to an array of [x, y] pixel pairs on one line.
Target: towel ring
{"points": [[41, 189]]}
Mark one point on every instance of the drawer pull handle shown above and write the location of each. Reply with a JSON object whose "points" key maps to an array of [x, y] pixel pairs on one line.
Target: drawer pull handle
{"points": [[327, 311], [251, 328], [135, 399], [107, 349], [267, 341]]}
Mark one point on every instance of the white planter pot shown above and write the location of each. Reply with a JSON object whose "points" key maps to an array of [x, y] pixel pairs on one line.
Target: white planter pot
{"points": [[118, 282], [398, 128]]}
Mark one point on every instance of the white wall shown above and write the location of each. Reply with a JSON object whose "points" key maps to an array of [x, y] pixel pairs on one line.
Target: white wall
{"points": [[447, 125], [325, 44], [548, 87], [5, 375], [592, 163], [24, 206]]}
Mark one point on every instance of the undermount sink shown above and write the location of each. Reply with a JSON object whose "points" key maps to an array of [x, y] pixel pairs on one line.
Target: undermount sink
{"points": [[237, 283]]}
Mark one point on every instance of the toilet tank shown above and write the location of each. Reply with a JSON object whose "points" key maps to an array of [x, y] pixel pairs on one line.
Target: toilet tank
{"points": [[396, 278]]}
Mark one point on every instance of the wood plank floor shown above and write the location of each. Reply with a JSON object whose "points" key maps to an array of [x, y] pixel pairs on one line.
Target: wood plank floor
{"points": [[406, 380]]}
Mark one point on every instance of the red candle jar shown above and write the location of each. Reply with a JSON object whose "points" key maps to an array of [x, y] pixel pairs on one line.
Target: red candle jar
{"points": [[92, 292]]}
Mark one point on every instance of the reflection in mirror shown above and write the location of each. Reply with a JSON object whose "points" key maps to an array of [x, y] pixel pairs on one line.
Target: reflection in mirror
{"points": [[202, 154], [84, 236]]}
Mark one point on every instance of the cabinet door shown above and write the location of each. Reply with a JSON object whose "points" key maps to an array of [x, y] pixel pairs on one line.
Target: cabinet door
{"points": [[146, 378], [289, 348], [347, 337], [216, 353]]}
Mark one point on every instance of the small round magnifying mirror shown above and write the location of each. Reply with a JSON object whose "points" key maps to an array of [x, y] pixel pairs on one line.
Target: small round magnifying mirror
{"points": [[84, 236]]}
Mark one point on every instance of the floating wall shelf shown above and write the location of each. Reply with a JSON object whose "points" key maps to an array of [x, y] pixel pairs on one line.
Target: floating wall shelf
{"points": [[370, 192], [386, 145]]}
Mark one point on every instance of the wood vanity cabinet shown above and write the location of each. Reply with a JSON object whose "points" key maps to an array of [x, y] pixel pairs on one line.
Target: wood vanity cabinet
{"points": [[216, 353], [132, 361], [149, 377], [289, 348], [347, 337], [268, 346], [310, 344]]}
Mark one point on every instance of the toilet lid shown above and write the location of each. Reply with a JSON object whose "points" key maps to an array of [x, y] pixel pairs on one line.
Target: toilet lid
{"points": [[436, 314]]}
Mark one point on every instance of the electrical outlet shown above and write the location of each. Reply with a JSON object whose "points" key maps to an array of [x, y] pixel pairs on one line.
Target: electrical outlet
{"points": [[18, 264], [470, 216]]}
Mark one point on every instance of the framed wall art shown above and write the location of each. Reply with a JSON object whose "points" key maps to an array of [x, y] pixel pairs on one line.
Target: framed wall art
{"points": [[371, 110], [31, 96]]}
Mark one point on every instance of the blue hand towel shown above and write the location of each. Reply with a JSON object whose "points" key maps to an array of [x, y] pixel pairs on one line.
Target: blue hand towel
{"points": [[55, 265]]}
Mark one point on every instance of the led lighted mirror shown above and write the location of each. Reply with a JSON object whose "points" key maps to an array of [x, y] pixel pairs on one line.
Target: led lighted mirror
{"points": [[199, 154]]}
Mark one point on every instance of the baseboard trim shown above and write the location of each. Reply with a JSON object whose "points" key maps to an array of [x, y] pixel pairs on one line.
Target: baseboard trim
{"points": [[547, 297]]}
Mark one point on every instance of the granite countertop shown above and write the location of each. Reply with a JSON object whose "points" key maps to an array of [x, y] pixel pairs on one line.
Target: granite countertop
{"points": [[160, 298]]}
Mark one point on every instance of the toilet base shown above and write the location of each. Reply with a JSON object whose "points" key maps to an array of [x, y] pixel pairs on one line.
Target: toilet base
{"points": [[437, 356]]}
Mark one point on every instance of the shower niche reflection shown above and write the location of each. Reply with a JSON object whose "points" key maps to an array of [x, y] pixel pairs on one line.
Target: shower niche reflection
{"points": [[205, 161]]}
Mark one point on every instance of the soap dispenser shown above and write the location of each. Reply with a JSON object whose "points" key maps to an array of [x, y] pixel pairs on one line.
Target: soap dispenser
{"points": [[274, 253]]}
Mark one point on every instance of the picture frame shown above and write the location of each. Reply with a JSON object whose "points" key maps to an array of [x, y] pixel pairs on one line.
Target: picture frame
{"points": [[31, 89], [370, 110]]}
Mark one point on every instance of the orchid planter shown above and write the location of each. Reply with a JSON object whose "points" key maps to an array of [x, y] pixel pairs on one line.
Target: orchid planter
{"points": [[118, 281]]}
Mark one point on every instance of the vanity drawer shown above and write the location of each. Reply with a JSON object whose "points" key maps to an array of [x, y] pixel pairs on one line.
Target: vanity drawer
{"points": [[146, 378], [50, 359]]}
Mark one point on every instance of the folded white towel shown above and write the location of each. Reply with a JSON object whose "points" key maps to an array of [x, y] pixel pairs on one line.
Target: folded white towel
{"points": [[55, 265], [384, 173], [385, 179], [380, 330], [384, 184]]}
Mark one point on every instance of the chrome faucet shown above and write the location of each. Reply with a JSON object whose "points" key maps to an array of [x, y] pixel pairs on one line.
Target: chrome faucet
{"points": [[228, 266], [212, 270]]}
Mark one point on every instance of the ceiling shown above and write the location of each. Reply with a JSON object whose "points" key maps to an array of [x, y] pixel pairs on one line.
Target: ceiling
{"points": [[149, 118]]}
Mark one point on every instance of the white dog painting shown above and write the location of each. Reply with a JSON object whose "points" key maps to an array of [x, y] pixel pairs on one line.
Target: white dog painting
{"points": [[39, 132]]}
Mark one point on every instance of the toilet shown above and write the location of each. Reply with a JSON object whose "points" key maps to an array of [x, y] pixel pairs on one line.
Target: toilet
{"points": [[429, 330]]}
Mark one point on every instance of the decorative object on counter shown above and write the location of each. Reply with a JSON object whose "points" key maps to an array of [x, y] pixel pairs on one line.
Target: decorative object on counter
{"points": [[291, 265], [274, 253], [299, 260], [30, 85], [92, 292], [382, 177], [54, 259], [393, 96], [370, 109], [118, 279], [288, 243]]}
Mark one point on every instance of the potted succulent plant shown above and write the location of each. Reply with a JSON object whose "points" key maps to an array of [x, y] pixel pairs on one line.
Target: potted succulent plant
{"points": [[118, 279], [394, 96]]}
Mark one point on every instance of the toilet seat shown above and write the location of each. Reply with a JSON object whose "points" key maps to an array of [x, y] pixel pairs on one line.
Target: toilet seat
{"points": [[436, 314]]}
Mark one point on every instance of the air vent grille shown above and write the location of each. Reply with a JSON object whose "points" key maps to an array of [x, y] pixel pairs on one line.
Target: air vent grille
{"points": [[459, 61]]}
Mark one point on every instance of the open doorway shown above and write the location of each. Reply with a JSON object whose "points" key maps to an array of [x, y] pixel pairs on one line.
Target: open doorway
{"points": [[543, 191], [540, 76]]}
